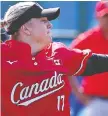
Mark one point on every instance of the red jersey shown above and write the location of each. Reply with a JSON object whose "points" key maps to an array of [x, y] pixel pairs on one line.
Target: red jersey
{"points": [[38, 85], [96, 85]]}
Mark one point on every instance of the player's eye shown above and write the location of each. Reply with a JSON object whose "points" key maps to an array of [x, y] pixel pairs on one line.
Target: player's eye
{"points": [[45, 21]]}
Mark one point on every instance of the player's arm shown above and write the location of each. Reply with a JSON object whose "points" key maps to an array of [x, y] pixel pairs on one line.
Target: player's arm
{"points": [[97, 63], [84, 62], [89, 63]]}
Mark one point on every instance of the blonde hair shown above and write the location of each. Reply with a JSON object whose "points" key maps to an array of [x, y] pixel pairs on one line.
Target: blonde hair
{"points": [[2, 24]]}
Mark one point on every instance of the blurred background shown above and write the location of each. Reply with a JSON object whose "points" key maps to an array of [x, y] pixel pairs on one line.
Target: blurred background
{"points": [[75, 18]]}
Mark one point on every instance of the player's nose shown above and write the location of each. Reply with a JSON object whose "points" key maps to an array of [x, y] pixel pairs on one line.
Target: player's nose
{"points": [[49, 25]]}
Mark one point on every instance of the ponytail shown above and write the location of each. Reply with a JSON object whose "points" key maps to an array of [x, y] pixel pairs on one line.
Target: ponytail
{"points": [[3, 24]]}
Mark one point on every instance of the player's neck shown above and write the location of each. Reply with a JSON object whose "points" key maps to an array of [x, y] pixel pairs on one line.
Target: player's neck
{"points": [[105, 33], [35, 48]]}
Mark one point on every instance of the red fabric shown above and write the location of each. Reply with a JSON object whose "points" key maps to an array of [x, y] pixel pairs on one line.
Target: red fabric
{"points": [[41, 89], [94, 40]]}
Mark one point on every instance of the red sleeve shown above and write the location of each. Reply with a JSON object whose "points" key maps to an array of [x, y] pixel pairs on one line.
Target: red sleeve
{"points": [[79, 61], [74, 60]]}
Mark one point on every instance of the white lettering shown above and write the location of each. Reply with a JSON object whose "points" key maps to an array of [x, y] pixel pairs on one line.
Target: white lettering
{"points": [[40, 97], [59, 80], [44, 85], [13, 92], [53, 84], [53, 81], [23, 93], [35, 87]]}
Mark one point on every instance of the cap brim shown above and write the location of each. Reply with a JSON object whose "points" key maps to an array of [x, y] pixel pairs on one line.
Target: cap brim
{"points": [[51, 13], [102, 13]]}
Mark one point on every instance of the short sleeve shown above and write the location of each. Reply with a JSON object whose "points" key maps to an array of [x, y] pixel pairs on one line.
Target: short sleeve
{"points": [[74, 60]]}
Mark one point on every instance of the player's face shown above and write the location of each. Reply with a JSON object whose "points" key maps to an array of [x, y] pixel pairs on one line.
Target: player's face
{"points": [[103, 21], [41, 30]]}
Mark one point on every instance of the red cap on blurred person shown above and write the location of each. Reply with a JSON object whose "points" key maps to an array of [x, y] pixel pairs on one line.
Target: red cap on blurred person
{"points": [[101, 8]]}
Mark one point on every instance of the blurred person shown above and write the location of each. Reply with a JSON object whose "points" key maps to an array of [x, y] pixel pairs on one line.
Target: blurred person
{"points": [[4, 35], [93, 91], [35, 70], [75, 103]]}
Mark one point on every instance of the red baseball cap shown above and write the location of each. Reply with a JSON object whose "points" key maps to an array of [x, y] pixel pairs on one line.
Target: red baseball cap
{"points": [[101, 8]]}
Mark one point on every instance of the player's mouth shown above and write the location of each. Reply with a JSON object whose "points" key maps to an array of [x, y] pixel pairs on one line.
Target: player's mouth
{"points": [[49, 33]]}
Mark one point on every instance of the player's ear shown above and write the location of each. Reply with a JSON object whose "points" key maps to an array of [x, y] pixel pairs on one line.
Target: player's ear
{"points": [[26, 30]]}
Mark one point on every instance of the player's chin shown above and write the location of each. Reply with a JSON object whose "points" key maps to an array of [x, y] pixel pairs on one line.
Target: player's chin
{"points": [[50, 38], [49, 41]]}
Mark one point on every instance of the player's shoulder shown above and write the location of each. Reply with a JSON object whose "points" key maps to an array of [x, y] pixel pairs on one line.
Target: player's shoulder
{"points": [[86, 38], [58, 45], [5, 48], [91, 33]]}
